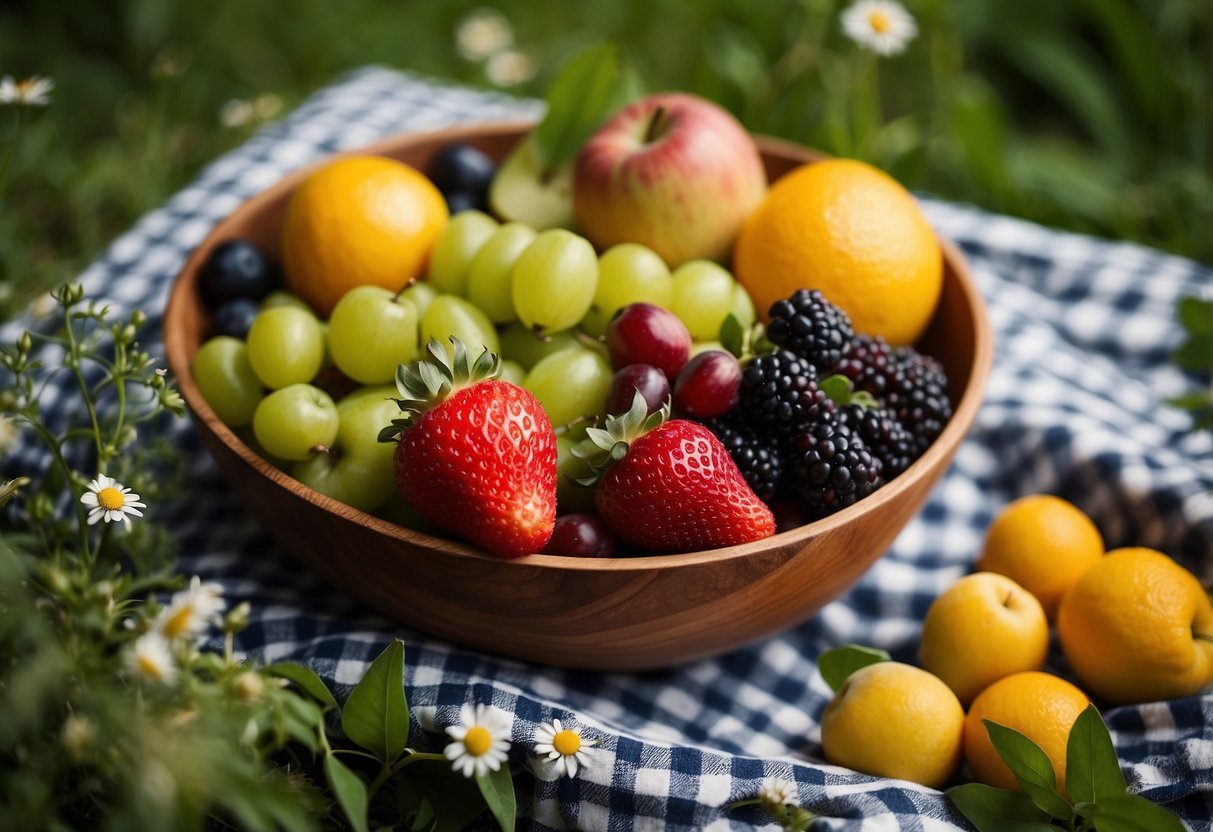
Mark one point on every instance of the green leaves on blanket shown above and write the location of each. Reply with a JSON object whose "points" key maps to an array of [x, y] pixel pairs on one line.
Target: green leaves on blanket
{"points": [[1195, 355]]}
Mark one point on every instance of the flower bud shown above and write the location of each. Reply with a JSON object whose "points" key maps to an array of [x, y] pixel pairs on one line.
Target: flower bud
{"points": [[238, 618], [77, 737], [248, 686]]}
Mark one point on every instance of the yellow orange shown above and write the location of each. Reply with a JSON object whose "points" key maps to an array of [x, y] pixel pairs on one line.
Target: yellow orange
{"points": [[1138, 627], [894, 720], [1041, 706], [1044, 544], [852, 231], [359, 220]]}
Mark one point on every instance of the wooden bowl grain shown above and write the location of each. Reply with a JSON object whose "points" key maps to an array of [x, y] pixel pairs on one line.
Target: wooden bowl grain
{"points": [[626, 613]]}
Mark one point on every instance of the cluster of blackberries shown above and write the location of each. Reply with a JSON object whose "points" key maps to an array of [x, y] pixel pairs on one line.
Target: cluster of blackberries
{"points": [[794, 437]]}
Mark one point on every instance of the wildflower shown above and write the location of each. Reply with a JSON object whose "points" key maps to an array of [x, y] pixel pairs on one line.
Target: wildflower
{"points": [[191, 610], [483, 33], [774, 794], [236, 113], [480, 741], [248, 686], [34, 91], [110, 501], [510, 68], [151, 658], [562, 748], [884, 26]]}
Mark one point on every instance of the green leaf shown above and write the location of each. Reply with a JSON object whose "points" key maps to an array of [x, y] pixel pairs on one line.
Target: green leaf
{"points": [[837, 664], [1196, 315], [376, 716], [1195, 354], [497, 787], [349, 789], [732, 335], [1133, 813], [1032, 769], [305, 678], [999, 810], [587, 90], [1092, 769], [432, 789]]}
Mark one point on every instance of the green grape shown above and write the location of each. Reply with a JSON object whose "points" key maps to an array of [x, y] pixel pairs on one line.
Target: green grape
{"points": [[358, 470], [456, 246], [286, 346], [488, 283], [703, 297], [570, 496], [571, 384], [419, 293], [371, 333], [226, 380], [513, 372], [291, 423], [554, 281], [743, 307], [450, 315], [281, 297], [524, 346], [627, 273]]}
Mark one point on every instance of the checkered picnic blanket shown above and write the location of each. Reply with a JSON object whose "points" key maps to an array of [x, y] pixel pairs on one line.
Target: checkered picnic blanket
{"points": [[1074, 406]]}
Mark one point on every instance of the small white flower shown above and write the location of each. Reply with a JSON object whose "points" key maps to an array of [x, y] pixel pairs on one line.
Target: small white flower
{"points": [[110, 501], [884, 26], [192, 610], [483, 33], [774, 794], [151, 658], [562, 749], [481, 741], [34, 91], [509, 68]]}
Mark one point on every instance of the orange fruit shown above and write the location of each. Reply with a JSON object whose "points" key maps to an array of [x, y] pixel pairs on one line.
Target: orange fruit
{"points": [[1044, 544], [894, 720], [1041, 706], [1138, 627], [359, 220], [980, 629], [853, 232]]}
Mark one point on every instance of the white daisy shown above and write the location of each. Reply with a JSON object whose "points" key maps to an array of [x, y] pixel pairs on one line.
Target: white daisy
{"points": [[110, 501], [562, 748], [34, 91], [151, 658], [192, 610], [774, 794], [481, 741], [884, 26]]}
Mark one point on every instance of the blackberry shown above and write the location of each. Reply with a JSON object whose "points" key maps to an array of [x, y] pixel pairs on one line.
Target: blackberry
{"points": [[811, 327], [756, 457], [868, 364], [832, 468], [886, 438], [779, 394]]}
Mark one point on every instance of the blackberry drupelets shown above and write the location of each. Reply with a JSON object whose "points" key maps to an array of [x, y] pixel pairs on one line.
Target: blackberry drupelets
{"points": [[884, 436], [756, 456], [868, 364], [779, 395], [832, 468], [809, 326]]}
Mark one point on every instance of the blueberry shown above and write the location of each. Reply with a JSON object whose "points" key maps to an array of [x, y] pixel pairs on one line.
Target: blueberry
{"points": [[457, 201], [461, 167], [234, 317], [237, 269]]}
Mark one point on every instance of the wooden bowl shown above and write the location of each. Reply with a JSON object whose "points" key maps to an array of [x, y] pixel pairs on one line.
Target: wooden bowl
{"points": [[625, 613]]}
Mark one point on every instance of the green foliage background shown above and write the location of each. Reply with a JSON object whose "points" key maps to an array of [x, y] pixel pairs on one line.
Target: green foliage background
{"points": [[1095, 115]]}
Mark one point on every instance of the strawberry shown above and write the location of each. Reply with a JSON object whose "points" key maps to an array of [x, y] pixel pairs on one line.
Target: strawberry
{"points": [[475, 456], [671, 486]]}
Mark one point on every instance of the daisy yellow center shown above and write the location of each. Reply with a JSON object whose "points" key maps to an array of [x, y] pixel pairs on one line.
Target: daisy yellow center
{"points": [[178, 623], [879, 22], [567, 742], [149, 667], [478, 741], [110, 499]]}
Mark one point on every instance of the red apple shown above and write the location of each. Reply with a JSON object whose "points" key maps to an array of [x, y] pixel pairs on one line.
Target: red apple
{"points": [[672, 171]]}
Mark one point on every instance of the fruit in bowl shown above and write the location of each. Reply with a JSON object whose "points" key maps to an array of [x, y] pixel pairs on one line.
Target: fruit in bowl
{"points": [[638, 608]]}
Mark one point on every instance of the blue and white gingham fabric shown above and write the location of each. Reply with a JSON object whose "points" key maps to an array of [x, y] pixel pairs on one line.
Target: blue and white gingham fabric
{"points": [[1074, 406]]}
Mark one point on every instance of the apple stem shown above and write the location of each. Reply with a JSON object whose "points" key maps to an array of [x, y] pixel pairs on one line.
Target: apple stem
{"points": [[331, 453], [405, 288], [540, 334], [656, 124], [1199, 636]]}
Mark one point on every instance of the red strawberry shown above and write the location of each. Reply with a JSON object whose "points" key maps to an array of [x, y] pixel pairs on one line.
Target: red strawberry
{"points": [[476, 456], [671, 486]]}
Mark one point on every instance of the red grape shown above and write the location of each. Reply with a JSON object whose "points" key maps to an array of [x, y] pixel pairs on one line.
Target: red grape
{"points": [[646, 379], [642, 333], [580, 536], [708, 385]]}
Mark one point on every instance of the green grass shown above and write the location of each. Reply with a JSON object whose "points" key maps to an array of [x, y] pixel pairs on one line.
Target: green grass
{"points": [[1093, 115]]}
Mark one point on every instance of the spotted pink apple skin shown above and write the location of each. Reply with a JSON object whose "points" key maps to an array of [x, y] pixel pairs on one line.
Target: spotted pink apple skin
{"points": [[672, 171]]}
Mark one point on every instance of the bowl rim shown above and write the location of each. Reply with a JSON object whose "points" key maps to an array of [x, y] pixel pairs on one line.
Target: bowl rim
{"points": [[944, 445]]}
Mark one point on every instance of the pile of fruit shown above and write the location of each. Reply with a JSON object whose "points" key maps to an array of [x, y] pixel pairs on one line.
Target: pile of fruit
{"points": [[566, 364]]}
